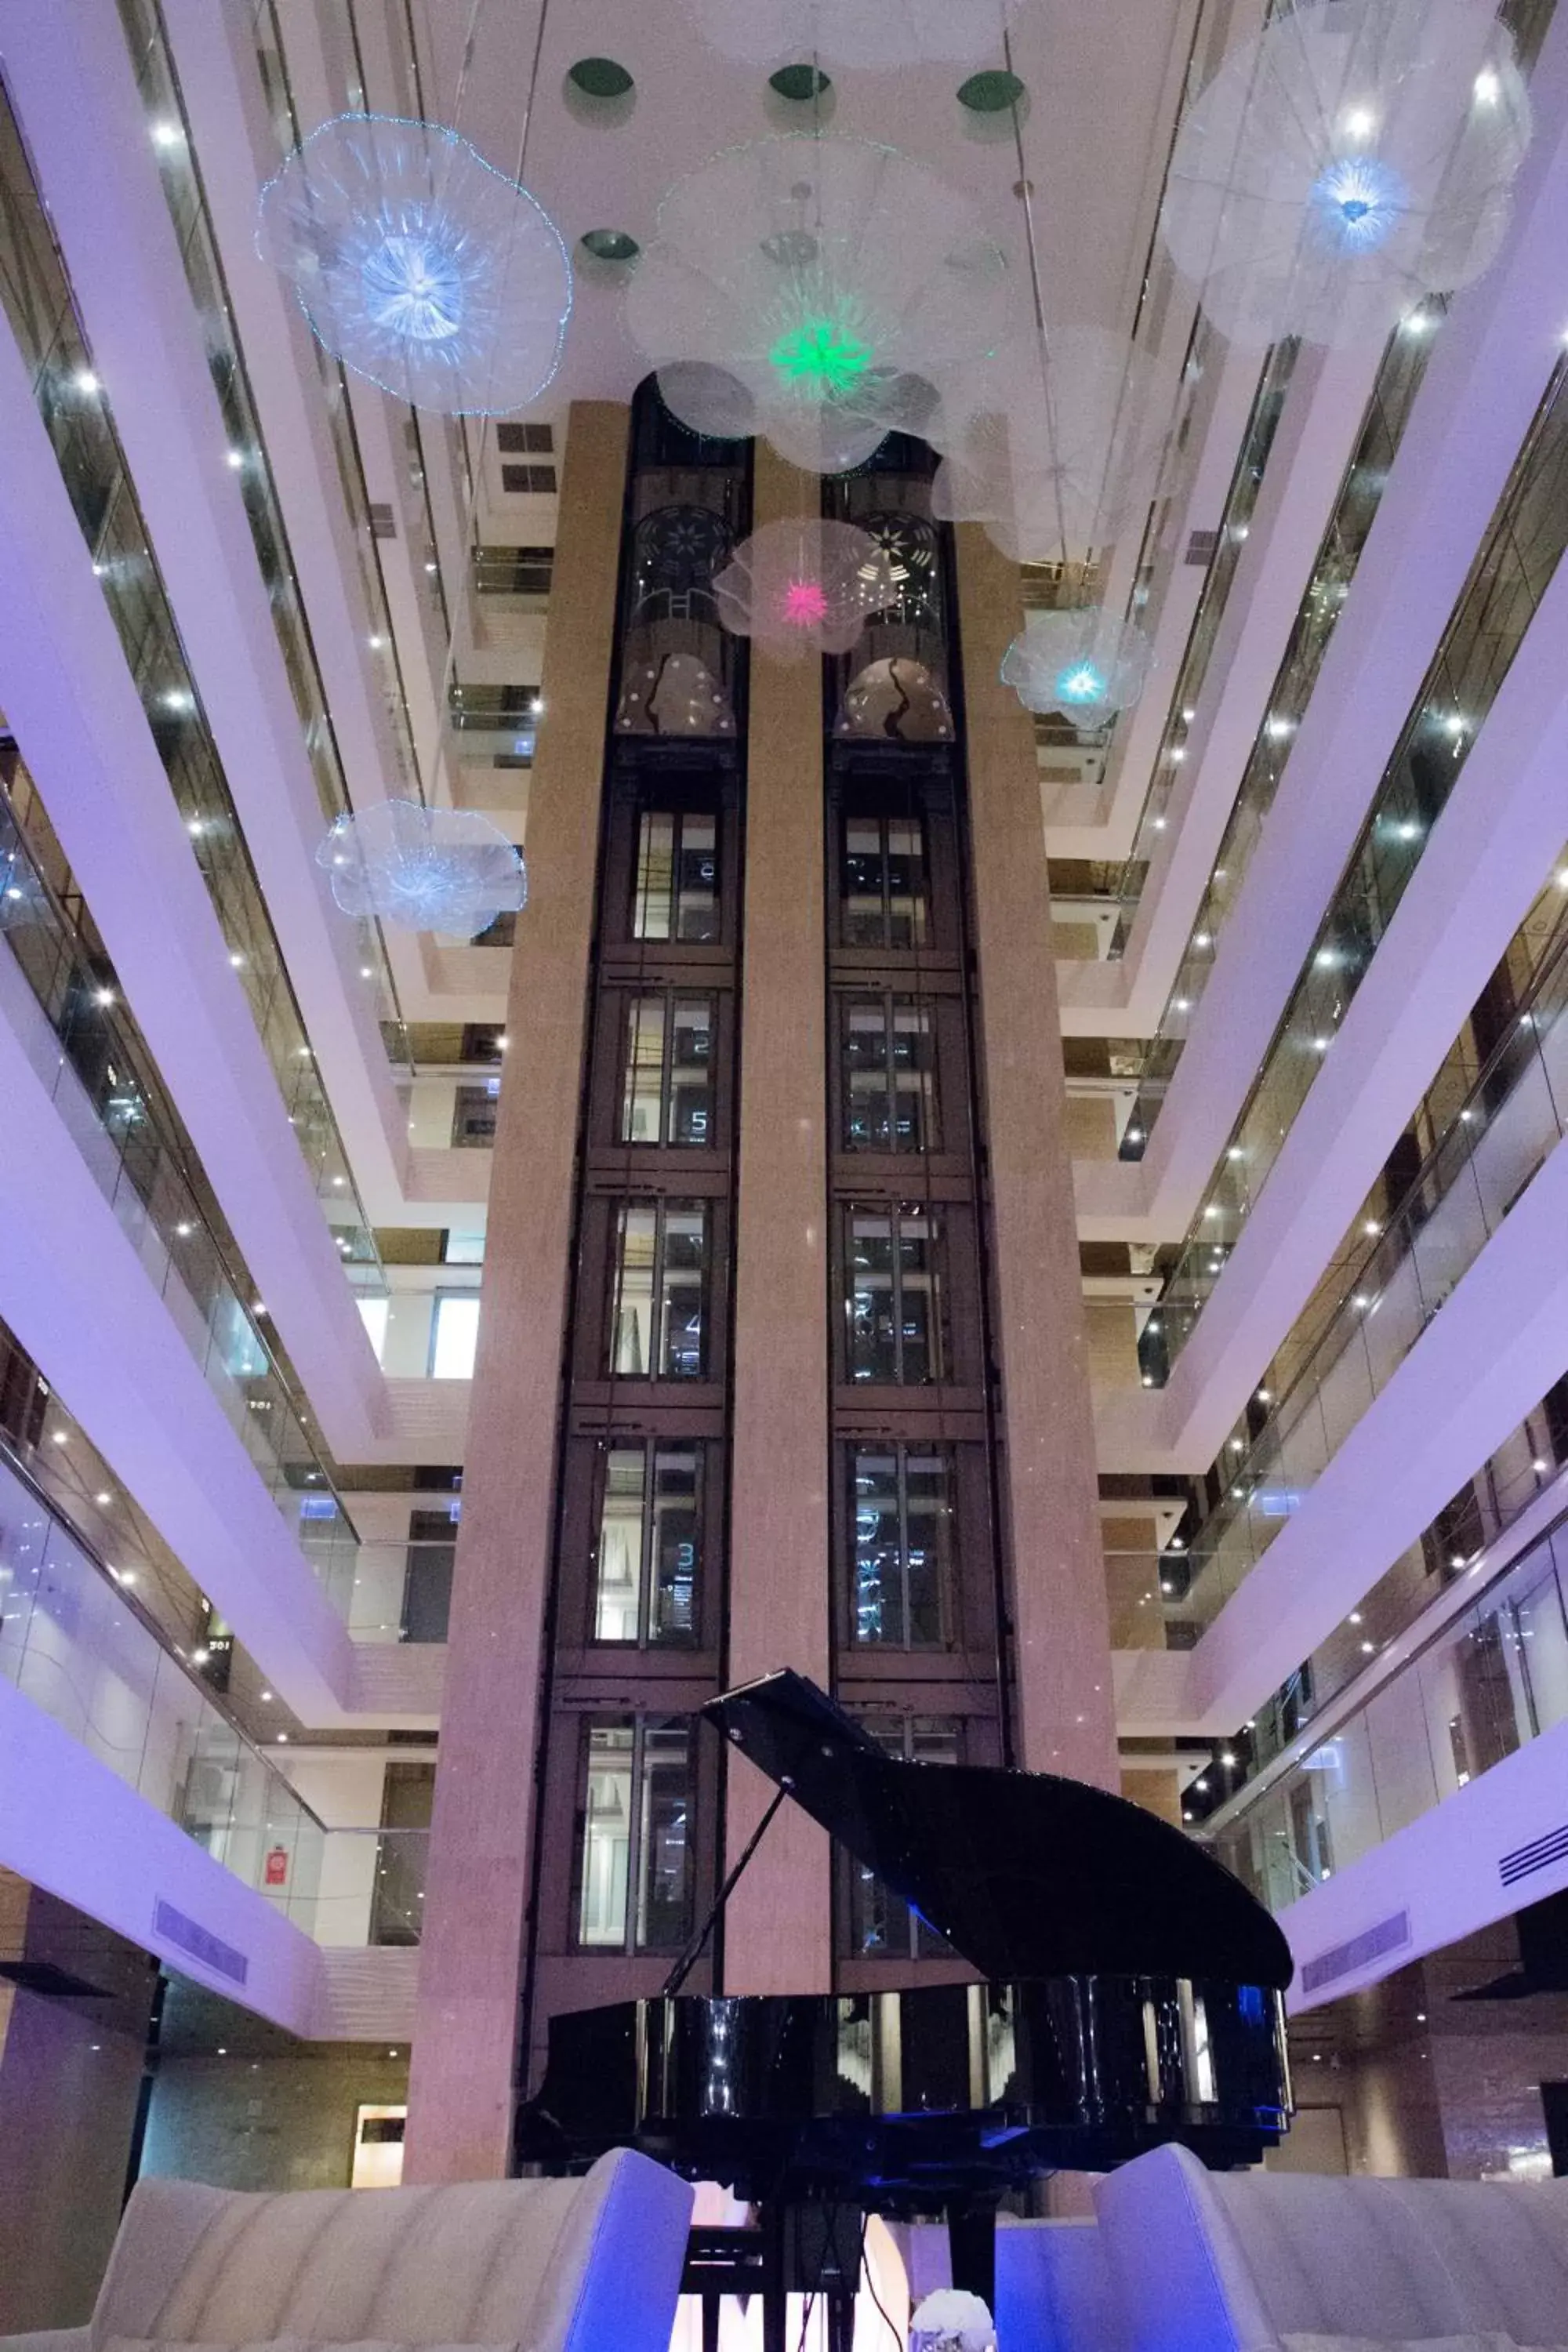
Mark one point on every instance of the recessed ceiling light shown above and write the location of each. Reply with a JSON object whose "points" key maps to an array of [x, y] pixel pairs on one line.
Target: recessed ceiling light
{"points": [[600, 78], [991, 92], [800, 83], [610, 245]]}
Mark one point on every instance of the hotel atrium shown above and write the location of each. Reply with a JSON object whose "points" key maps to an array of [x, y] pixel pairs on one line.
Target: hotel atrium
{"points": [[784, 893]]}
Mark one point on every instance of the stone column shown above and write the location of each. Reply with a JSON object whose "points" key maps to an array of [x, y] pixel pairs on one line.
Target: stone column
{"points": [[466, 2025], [1065, 1714], [779, 1937]]}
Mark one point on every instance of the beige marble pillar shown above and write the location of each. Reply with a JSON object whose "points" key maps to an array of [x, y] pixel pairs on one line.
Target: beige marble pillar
{"points": [[460, 2087], [1061, 1632], [778, 1931]]}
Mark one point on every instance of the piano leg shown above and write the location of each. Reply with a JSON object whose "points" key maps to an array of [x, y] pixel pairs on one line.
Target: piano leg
{"points": [[972, 2250]]}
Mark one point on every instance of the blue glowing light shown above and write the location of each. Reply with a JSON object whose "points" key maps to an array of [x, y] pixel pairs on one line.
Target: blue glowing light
{"points": [[1080, 682], [414, 285], [424, 869], [1079, 661], [1357, 203], [419, 264]]}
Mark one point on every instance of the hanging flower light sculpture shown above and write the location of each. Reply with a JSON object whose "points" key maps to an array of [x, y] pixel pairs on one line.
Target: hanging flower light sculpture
{"points": [[1354, 157], [1083, 663], [419, 264], [799, 587], [865, 33], [425, 869], [809, 284], [1052, 453]]}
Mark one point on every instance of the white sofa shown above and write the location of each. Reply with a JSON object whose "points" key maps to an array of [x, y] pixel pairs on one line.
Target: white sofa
{"points": [[1247, 2262], [544, 2265]]}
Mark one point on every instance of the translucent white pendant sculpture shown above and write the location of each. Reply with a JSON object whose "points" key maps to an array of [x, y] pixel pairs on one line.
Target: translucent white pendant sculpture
{"points": [[1053, 456], [425, 869], [800, 587], [419, 264], [874, 35], [814, 286], [1354, 157], [1084, 664]]}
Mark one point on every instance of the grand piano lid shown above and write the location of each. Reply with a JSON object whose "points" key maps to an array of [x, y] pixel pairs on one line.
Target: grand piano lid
{"points": [[1025, 1874]]}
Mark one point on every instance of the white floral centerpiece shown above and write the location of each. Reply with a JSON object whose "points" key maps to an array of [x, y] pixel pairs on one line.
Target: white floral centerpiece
{"points": [[952, 2321]]}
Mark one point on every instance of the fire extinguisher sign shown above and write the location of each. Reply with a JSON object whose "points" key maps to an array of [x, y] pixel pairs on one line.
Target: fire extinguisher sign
{"points": [[276, 1872]]}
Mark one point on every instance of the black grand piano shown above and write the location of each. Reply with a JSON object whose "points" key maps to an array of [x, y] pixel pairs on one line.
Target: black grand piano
{"points": [[1131, 1994]]}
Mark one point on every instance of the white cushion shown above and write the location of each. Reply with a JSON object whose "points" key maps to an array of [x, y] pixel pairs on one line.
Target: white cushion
{"points": [[544, 2265], [281, 2344]]}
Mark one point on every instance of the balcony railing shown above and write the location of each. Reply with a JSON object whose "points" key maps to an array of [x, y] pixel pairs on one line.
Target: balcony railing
{"points": [[75, 1643], [92, 1063], [1490, 1681], [1509, 579], [1515, 1114]]}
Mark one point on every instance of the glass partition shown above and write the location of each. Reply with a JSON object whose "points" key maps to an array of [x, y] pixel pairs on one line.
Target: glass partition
{"points": [[75, 1643], [1511, 1121], [1507, 582], [88, 1056], [1361, 494], [36, 295], [1494, 1678]]}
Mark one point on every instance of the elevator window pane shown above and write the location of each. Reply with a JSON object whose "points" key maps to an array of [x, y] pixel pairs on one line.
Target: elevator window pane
{"points": [[663, 1883], [667, 1065], [633, 1892], [618, 1588], [607, 1812], [882, 885], [902, 1515], [649, 1546], [888, 1078], [642, 1089], [658, 1296], [892, 1296], [675, 894]]}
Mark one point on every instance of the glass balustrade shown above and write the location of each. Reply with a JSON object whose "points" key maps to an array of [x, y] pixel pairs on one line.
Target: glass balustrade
{"points": [[1506, 583], [1247, 482], [1493, 1679], [83, 1049], [74, 1642], [36, 296], [1361, 494], [1512, 1118]]}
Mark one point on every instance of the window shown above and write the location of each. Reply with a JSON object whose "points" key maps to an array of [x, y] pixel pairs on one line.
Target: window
{"points": [[667, 1094], [520, 440], [676, 892], [882, 882], [650, 1544], [514, 571], [881, 1924], [372, 1314], [890, 1085], [522, 480], [634, 1865], [657, 1299], [462, 1249], [454, 1333], [901, 1519], [474, 1111], [892, 1294]]}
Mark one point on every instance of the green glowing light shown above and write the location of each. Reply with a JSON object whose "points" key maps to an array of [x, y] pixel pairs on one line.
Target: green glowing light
{"points": [[821, 357]]}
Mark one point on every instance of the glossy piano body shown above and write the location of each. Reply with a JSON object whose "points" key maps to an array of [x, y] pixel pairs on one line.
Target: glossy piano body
{"points": [[909, 2102], [1131, 1994]]}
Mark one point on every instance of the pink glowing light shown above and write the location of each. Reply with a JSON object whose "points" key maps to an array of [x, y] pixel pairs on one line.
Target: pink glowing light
{"points": [[805, 604]]}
